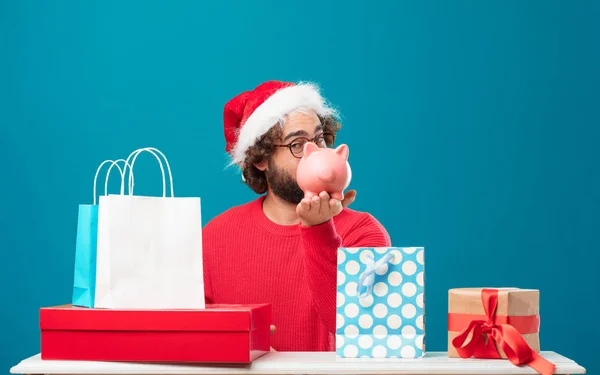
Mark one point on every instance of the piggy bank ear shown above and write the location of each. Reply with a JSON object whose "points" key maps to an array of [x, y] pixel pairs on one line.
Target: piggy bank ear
{"points": [[309, 148], [343, 151]]}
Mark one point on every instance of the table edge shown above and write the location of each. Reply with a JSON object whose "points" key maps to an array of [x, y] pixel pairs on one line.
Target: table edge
{"points": [[23, 368]]}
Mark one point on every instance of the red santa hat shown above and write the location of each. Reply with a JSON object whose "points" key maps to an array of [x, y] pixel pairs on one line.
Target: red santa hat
{"points": [[253, 113]]}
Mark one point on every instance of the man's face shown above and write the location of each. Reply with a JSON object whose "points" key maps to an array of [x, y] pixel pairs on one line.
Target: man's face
{"points": [[281, 169]]}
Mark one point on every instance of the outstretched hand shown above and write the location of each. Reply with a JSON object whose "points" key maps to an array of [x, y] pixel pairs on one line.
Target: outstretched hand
{"points": [[321, 208], [272, 332]]}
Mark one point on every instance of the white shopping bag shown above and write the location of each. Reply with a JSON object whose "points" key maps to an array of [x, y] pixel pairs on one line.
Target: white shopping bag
{"points": [[149, 253]]}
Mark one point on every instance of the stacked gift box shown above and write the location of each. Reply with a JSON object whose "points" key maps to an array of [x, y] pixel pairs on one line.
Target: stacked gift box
{"points": [[218, 333], [138, 292]]}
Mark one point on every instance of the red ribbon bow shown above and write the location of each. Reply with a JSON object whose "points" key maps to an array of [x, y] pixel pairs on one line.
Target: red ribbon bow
{"points": [[485, 335]]}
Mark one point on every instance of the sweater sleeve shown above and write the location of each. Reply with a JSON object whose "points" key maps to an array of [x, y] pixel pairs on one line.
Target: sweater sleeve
{"points": [[206, 266], [320, 244], [208, 292]]}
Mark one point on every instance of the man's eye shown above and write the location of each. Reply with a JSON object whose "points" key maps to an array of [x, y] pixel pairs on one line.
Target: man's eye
{"points": [[298, 146]]}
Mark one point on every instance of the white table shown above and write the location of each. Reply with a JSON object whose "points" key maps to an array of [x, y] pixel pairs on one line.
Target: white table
{"points": [[302, 363]]}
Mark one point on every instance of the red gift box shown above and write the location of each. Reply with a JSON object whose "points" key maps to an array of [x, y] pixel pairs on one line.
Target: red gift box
{"points": [[219, 333]]}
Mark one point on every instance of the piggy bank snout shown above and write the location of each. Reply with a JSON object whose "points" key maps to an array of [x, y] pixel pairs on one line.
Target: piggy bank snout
{"points": [[326, 174]]}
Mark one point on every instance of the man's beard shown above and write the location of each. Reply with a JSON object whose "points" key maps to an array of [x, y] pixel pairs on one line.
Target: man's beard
{"points": [[283, 185]]}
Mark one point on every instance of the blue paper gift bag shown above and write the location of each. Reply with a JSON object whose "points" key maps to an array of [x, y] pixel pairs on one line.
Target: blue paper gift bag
{"points": [[380, 302], [85, 256], [84, 279]]}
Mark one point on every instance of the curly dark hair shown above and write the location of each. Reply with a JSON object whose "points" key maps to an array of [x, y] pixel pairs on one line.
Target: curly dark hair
{"points": [[263, 149]]}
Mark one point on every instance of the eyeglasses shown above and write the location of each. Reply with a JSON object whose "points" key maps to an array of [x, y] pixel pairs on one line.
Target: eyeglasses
{"points": [[296, 147]]}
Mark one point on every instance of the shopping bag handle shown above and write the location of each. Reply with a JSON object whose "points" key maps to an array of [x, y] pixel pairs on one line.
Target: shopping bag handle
{"points": [[134, 155], [113, 163], [131, 175], [122, 173]]}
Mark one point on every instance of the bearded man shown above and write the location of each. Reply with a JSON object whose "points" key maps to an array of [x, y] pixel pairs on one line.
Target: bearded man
{"points": [[281, 248]]}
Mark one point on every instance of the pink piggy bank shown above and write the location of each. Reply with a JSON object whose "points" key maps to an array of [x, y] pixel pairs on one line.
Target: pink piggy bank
{"points": [[324, 169]]}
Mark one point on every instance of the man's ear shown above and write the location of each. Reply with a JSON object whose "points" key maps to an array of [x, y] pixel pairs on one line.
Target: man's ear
{"points": [[262, 166]]}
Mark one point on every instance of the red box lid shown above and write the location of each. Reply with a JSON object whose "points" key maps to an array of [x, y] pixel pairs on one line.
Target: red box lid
{"points": [[218, 317]]}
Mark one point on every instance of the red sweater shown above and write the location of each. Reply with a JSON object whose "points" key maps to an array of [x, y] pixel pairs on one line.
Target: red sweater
{"points": [[250, 259]]}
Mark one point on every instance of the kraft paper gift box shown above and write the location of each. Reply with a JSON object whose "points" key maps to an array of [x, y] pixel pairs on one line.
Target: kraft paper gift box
{"points": [[501, 323], [218, 333], [380, 302]]}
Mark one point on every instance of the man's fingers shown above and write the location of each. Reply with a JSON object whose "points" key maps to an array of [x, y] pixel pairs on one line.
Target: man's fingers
{"points": [[306, 204], [273, 328], [315, 204], [335, 206], [303, 206], [348, 198], [324, 200]]}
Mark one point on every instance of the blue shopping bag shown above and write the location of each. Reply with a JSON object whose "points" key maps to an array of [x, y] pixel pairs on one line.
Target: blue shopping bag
{"points": [[84, 279], [380, 302]]}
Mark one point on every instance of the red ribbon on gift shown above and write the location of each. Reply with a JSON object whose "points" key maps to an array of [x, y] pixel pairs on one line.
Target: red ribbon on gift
{"points": [[485, 333]]}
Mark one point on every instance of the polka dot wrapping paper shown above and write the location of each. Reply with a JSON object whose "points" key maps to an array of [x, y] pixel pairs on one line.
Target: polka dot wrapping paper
{"points": [[386, 318]]}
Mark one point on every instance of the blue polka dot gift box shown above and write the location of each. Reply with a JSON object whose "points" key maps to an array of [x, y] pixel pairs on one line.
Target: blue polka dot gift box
{"points": [[380, 302]]}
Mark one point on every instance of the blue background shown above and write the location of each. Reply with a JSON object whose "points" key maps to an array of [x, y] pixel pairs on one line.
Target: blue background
{"points": [[482, 116]]}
